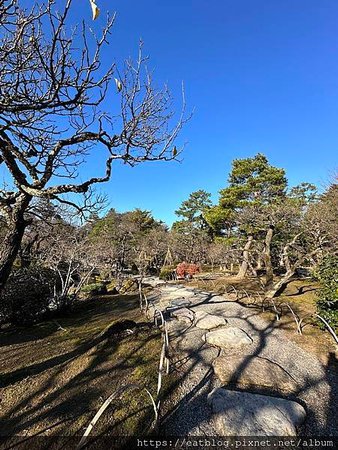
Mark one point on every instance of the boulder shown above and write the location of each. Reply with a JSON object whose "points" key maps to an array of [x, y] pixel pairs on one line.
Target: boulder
{"points": [[183, 315], [228, 337], [246, 414], [253, 372], [207, 321]]}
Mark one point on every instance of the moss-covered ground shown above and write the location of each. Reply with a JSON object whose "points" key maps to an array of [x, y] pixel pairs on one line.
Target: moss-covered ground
{"points": [[55, 375]]}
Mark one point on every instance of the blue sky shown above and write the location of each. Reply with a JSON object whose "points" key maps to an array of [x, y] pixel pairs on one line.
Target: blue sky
{"points": [[262, 76]]}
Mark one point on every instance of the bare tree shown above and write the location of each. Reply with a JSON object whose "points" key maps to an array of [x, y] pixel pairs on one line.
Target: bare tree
{"points": [[53, 86], [189, 243], [72, 256], [309, 238], [155, 244]]}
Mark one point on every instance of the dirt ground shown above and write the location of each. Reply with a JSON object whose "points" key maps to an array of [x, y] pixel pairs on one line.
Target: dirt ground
{"points": [[55, 375]]}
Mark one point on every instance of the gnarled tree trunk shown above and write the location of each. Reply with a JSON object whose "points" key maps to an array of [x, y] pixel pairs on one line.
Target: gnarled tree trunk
{"points": [[267, 256], [245, 263], [10, 246], [279, 286], [290, 270], [259, 264]]}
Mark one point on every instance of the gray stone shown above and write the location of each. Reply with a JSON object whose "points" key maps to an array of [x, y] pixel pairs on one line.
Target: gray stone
{"points": [[253, 372], [208, 321], [246, 414], [228, 337], [183, 315], [180, 302]]}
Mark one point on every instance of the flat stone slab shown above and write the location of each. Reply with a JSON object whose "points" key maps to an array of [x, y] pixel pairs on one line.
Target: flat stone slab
{"points": [[183, 315], [228, 337], [253, 372], [245, 414], [207, 321], [179, 302]]}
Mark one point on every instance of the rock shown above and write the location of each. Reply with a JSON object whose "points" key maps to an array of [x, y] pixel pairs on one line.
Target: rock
{"points": [[253, 372], [185, 344], [180, 302], [208, 321], [151, 311], [246, 414], [121, 327], [183, 315], [228, 337]]}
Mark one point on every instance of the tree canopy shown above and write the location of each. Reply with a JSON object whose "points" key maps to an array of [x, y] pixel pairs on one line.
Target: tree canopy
{"points": [[195, 207]]}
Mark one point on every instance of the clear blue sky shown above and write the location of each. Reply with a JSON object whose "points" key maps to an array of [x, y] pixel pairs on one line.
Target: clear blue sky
{"points": [[262, 76]]}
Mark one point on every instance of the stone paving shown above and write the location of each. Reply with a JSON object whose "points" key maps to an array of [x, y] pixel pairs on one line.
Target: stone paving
{"points": [[226, 357]]}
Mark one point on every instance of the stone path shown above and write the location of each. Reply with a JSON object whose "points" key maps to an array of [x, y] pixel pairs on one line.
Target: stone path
{"points": [[226, 356]]}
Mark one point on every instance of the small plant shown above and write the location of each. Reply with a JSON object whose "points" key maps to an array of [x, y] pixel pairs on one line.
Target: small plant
{"points": [[327, 302], [167, 273], [128, 285], [95, 289]]}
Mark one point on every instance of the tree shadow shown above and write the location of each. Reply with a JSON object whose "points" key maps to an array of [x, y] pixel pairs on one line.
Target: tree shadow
{"points": [[301, 290], [191, 411], [331, 377], [82, 312], [69, 391], [56, 399]]}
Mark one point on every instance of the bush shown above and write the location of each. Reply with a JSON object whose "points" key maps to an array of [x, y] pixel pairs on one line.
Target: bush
{"points": [[327, 303], [27, 295], [95, 289], [184, 269], [167, 273]]}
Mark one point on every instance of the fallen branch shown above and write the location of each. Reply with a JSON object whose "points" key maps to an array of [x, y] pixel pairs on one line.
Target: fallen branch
{"points": [[59, 326], [267, 299], [115, 395], [295, 316]]}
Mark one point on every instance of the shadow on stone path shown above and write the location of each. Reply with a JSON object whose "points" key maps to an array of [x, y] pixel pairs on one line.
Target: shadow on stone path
{"points": [[225, 357]]}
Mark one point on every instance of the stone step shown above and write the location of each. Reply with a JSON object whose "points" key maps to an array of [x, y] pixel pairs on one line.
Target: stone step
{"points": [[179, 302], [183, 315], [228, 337], [207, 321], [254, 372], [245, 414]]}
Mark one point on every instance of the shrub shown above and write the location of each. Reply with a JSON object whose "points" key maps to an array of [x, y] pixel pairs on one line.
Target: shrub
{"points": [[327, 303], [167, 273], [27, 295], [184, 269], [94, 289]]}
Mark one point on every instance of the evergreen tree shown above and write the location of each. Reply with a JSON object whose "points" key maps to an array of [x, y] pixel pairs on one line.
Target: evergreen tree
{"points": [[194, 209]]}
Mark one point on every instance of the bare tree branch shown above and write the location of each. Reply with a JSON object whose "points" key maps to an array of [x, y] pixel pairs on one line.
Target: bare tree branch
{"points": [[54, 90]]}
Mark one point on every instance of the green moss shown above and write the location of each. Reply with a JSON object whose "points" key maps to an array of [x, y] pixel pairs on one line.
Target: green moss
{"points": [[106, 367], [94, 289]]}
